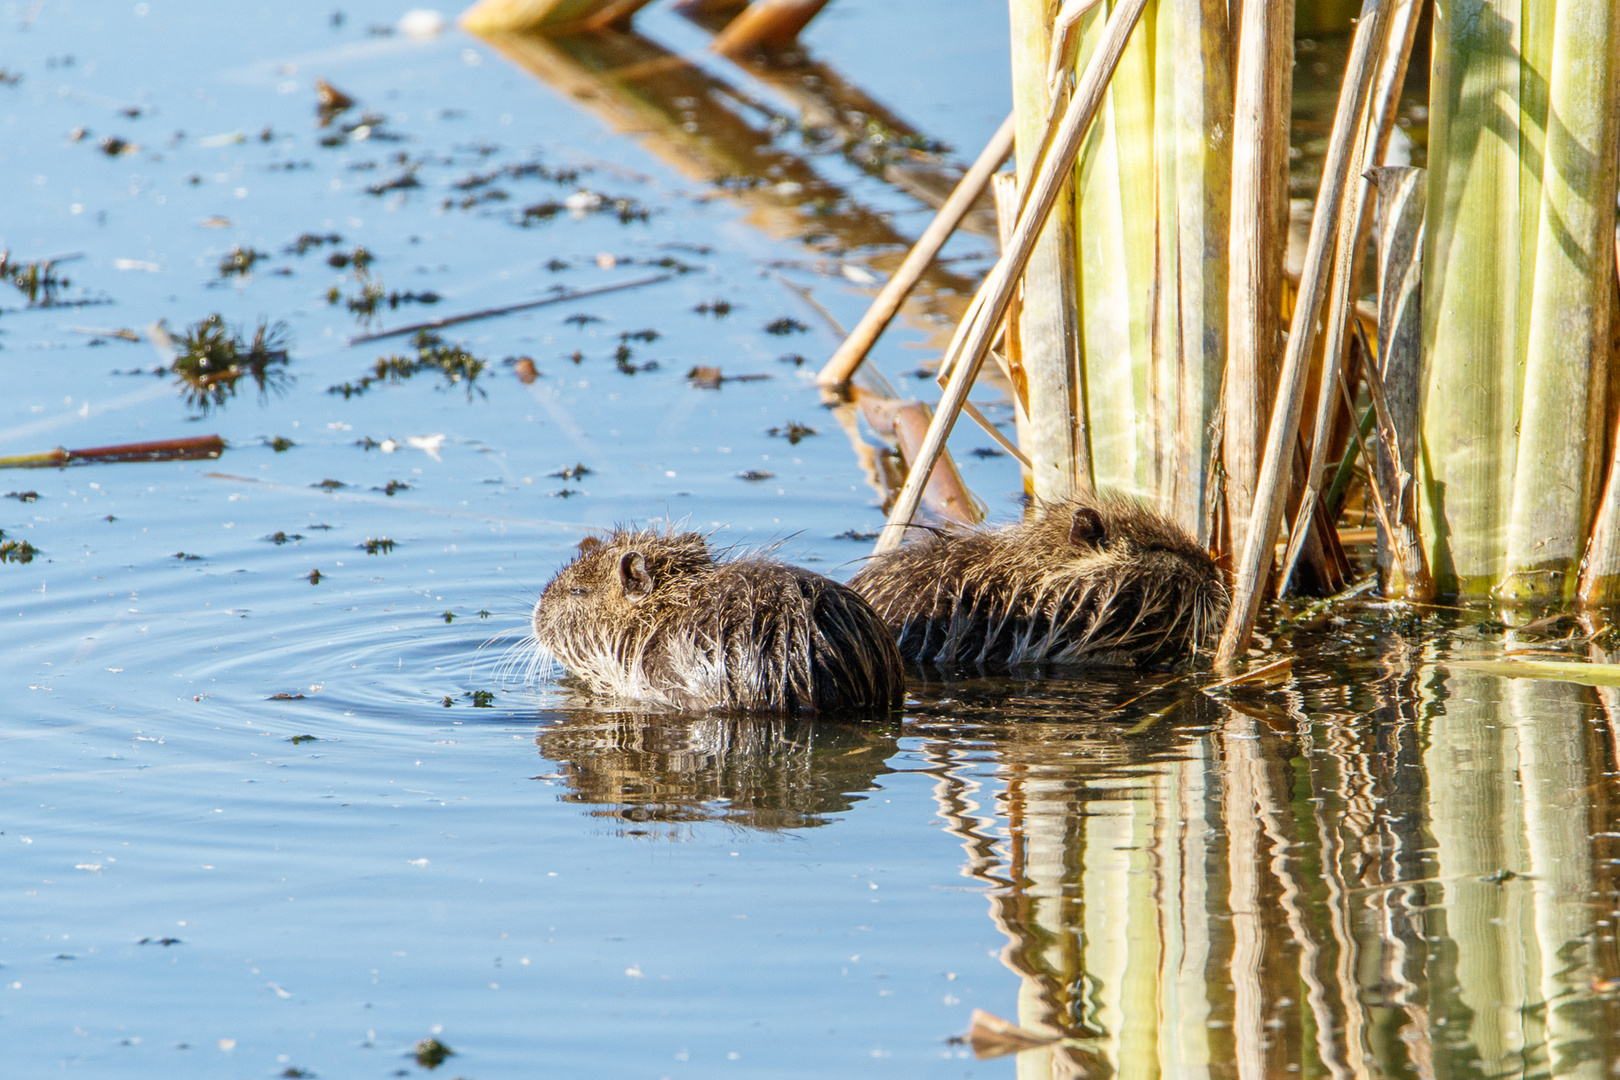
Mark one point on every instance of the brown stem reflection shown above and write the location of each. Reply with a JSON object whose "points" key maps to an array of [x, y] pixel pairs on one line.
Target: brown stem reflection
{"points": [[714, 132], [654, 773]]}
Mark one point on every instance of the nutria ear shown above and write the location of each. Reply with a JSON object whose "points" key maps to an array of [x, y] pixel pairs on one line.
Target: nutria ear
{"points": [[1087, 528], [588, 545], [633, 576]]}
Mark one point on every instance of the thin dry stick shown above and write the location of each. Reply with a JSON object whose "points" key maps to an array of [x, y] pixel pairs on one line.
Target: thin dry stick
{"points": [[490, 313], [1284, 429], [887, 303], [1348, 256], [187, 449], [1055, 171]]}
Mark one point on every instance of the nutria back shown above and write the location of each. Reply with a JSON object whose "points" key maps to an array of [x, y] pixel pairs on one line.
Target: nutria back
{"points": [[1100, 580], [654, 617]]}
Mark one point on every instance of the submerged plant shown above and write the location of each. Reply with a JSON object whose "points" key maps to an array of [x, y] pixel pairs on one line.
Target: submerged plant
{"points": [[211, 358], [239, 262], [16, 551], [455, 364], [36, 280]]}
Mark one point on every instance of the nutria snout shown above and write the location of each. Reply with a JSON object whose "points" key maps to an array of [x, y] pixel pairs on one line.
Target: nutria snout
{"points": [[1098, 580], [654, 617]]}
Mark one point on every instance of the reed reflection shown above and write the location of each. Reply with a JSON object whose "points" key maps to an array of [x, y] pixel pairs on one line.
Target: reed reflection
{"points": [[1385, 867]]}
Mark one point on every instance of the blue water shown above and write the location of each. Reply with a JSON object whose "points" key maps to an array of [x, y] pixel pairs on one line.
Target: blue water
{"points": [[257, 825]]}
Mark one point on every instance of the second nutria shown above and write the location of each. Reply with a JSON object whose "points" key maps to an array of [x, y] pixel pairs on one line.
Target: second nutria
{"points": [[652, 616], [1101, 580]]}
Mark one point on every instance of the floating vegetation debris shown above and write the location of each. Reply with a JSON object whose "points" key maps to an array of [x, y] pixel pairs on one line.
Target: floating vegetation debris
{"points": [[648, 336], [330, 485], [718, 308], [572, 472], [239, 262], [16, 551], [330, 102], [371, 297], [314, 577], [523, 367], [379, 545], [431, 1053], [454, 363], [279, 538], [36, 280], [785, 326], [481, 699], [306, 241], [791, 358], [709, 378], [753, 476], [621, 360], [113, 146], [164, 941], [23, 496], [393, 486], [449, 616], [856, 535], [187, 557], [581, 204], [9, 78], [988, 452], [406, 179], [211, 358], [359, 257], [792, 431], [280, 444], [579, 318], [284, 696]]}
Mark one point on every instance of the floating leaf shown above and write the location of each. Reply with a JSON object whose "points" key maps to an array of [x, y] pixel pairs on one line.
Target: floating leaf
{"points": [[1558, 671]]}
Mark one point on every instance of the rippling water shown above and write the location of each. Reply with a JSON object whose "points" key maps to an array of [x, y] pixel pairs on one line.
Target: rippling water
{"points": [[262, 821]]}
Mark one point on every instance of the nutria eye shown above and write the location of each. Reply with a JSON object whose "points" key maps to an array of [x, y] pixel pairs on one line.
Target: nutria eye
{"points": [[580, 591]]}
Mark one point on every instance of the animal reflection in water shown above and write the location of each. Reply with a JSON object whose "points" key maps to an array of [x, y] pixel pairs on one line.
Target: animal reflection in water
{"points": [[768, 772], [653, 617]]}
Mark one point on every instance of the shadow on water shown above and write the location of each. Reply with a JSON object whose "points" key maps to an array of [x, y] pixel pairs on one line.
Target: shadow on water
{"points": [[1385, 865]]}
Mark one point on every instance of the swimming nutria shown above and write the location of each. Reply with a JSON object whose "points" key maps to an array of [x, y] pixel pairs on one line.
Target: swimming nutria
{"points": [[651, 616], [1099, 580]]}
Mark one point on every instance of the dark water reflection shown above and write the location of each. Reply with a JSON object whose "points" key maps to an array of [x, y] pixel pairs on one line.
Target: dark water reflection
{"points": [[650, 772], [1384, 865]]}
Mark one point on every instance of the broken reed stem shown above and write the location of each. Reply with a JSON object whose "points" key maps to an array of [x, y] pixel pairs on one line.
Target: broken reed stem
{"points": [[1400, 506], [1355, 223], [1055, 171], [490, 313], [887, 302], [1250, 572], [187, 449]]}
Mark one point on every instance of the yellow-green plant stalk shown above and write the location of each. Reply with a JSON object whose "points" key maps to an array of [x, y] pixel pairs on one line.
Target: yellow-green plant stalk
{"points": [[1487, 121], [1202, 123], [1560, 430]]}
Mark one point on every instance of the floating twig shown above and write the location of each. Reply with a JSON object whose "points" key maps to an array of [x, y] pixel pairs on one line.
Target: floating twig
{"points": [[188, 449], [489, 313]]}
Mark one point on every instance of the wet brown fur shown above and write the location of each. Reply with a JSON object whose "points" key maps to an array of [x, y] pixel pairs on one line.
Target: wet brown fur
{"points": [[1092, 580], [652, 616]]}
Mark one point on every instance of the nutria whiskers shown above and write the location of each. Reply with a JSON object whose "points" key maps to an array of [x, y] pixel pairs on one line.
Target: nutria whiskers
{"points": [[652, 616], [1099, 580]]}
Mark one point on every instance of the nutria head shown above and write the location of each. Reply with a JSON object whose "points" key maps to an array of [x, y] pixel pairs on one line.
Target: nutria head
{"points": [[615, 592]]}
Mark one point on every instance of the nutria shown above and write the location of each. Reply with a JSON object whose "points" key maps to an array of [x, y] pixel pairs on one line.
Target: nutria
{"points": [[654, 617], [1097, 580]]}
